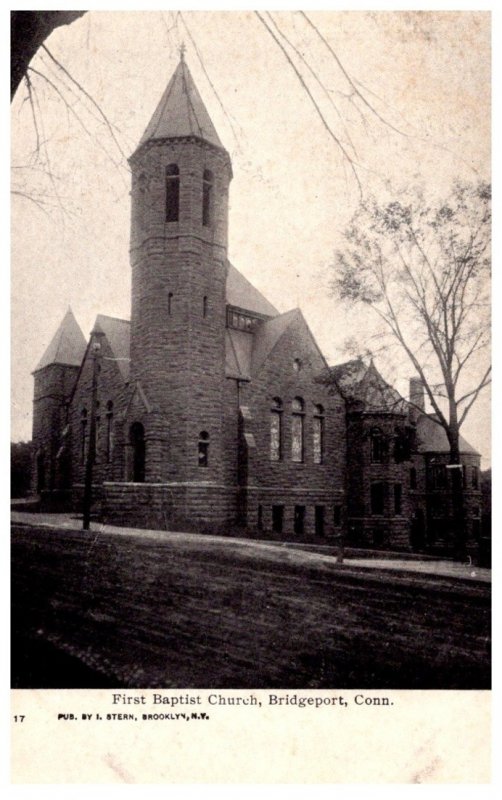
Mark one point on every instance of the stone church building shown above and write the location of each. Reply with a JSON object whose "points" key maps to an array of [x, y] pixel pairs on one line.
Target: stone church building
{"points": [[213, 411]]}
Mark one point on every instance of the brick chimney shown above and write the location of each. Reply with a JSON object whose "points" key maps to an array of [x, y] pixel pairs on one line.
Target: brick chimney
{"points": [[417, 393]]}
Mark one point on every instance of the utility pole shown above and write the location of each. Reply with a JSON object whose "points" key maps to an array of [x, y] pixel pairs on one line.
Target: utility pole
{"points": [[91, 450]]}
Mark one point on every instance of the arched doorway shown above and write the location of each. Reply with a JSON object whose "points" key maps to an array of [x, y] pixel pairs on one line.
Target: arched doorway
{"points": [[137, 440], [40, 471]]}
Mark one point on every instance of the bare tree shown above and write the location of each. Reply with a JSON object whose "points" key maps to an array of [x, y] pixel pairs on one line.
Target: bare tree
{"points": [[29, 30], [423, 269]]}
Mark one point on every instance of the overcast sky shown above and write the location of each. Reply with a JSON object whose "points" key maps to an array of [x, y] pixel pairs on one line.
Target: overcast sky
{"points": [[427, 73]]}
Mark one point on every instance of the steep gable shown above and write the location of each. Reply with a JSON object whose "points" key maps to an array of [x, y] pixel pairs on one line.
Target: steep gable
{"points": [[67, 345], [270, 333]]}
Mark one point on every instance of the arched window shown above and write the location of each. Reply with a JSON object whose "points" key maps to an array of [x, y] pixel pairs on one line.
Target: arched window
{"points": [[172, 193], [83, 434], [276, 430], [203, 449], [204, 306], [109, 431], [377, 446], [137, 440], [170, 303], [297, 430], [207, 189], [475, 478], [318, 434]]}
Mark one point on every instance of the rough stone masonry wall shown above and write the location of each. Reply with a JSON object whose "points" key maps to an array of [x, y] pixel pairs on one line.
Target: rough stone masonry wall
{"points": [[286, 482], [110, 388], [52, 387], [390, 528], [169, 506], [437, 503], [176, 351]]}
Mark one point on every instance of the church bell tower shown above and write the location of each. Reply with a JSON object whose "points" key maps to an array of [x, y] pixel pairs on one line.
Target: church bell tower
{"points": [[180, 179]]}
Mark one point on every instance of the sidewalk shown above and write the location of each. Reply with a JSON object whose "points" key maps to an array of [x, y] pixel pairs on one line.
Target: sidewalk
{"points": [[73, 522]]}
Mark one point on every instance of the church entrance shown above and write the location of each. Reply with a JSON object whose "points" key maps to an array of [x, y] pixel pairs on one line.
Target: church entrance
{"points": [[40, 472], [137, 440]]}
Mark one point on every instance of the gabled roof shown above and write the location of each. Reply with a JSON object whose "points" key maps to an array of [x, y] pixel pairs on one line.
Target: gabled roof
{"points": [[268, 334], [364, 384], [181, 112], [431, 437], [347, 375], [242, 293], [67, 345], [238, 352], [118, 334]]}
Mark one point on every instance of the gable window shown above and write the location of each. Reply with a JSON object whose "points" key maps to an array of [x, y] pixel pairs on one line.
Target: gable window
{"points": [[377, 446], [207, 189], [276, 430], [318, 434], [203, 449], [109, 431], [297, 424], [172, 193], [377, 498]]}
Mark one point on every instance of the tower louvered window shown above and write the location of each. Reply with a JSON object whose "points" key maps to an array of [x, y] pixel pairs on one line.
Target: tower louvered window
{"points": [[172, 193], [207, 190]]}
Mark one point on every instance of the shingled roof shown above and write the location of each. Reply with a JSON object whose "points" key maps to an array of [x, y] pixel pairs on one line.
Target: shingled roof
{"points": [[242, 293], [118, 334], [67, 345], [431, 437], [181, 112]]}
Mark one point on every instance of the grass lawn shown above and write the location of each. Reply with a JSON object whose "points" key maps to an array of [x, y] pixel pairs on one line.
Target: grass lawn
{"points": [[196, 612]]}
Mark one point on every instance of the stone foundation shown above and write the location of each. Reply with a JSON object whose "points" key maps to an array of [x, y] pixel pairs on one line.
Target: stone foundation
{"points": [[170, 506]]}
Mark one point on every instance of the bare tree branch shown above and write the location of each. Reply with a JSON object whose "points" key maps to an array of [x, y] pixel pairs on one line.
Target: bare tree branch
{"points": [[313, 101]]}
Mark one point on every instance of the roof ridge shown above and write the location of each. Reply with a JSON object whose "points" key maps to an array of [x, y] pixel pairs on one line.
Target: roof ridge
{"points": [[165, 98], [118, 319]]}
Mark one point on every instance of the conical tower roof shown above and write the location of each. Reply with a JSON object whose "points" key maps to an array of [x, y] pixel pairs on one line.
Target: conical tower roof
{"points": [[67, 345], [181, 112]]}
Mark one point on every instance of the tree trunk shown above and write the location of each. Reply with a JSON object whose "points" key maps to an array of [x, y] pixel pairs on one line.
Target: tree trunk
{"points": [[457, 489], [30, 29]]}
